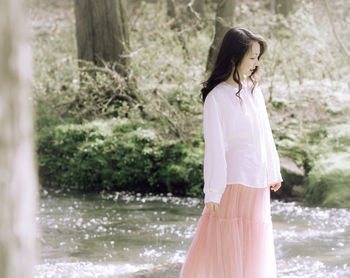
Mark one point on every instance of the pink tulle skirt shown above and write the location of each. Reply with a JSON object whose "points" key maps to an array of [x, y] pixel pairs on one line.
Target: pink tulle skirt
{"points": [[235, 242]]}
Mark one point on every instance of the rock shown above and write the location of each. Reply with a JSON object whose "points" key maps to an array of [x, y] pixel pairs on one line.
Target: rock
{"points": [[299, 190], [293, 185], [291, 167], [329, 181]]}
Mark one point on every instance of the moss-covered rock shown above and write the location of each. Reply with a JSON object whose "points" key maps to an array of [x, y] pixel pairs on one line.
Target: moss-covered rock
{"points": [[329, 181], [293, 176], [295, 163]]}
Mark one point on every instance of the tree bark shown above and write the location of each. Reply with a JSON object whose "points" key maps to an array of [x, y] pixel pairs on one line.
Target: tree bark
{"points": [[18, 173], [101, 32], [223, 22]]}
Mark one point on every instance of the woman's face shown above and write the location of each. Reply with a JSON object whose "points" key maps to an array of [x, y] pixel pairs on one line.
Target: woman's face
{"points": [[250, 60]]}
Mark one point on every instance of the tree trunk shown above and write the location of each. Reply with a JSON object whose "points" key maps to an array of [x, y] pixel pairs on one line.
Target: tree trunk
{"points": [[283, 7], [102, 33], [18, 178], [170, 9], [223, 22]]}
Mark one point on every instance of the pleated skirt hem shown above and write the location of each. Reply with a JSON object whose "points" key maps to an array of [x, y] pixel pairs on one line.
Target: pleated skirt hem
{"points": [[236, 241]]}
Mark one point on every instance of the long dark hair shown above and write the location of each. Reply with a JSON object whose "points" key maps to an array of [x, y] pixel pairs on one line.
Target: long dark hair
{"points": [[234, 46]]}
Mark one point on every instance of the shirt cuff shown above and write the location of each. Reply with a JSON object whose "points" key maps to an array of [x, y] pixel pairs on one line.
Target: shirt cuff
{"points": [[212, 197], [276, 181]]}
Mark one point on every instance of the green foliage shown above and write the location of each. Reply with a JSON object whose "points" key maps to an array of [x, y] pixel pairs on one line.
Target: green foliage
{"points": [[329, 181], [328, 140], [117, 155]]}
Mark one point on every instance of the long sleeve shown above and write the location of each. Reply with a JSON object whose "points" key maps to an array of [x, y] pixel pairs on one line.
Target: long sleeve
{"points": [[272, 157], [215, 168]]}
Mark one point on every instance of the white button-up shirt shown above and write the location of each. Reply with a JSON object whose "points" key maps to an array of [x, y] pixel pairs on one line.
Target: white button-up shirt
{"points": [[239, 145]]}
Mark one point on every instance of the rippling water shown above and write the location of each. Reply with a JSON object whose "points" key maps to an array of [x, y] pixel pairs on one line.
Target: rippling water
{"points": [[123, 235]]}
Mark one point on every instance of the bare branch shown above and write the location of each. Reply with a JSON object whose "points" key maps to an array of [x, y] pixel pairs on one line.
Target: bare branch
{"points": [[343, 47]]}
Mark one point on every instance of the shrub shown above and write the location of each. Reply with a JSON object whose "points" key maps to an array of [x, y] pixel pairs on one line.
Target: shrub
{"points": [[117, 155]]}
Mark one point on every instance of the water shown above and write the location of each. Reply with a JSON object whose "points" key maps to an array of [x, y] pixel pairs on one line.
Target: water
{"points": [[123, 235]]}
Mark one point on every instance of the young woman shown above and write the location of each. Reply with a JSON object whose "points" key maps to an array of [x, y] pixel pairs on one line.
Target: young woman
{"points": [[234, 236]]}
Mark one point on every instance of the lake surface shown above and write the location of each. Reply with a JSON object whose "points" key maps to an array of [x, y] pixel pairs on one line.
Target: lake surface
{"points": [[123, 235]]}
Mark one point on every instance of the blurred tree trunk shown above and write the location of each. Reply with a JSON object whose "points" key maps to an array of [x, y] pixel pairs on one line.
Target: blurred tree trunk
{"points": [[102, 33], [223, 22], [283, 7], [272, 5], [171, 13], [170, 8], [18, 178]]}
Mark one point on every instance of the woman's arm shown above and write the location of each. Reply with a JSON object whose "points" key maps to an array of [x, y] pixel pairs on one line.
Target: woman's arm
{"points": [[214, 154], [273, 161]]}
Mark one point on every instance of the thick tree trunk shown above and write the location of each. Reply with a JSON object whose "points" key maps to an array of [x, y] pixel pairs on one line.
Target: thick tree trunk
{"points": [[101, 31], [18, 178], [223, 22]]}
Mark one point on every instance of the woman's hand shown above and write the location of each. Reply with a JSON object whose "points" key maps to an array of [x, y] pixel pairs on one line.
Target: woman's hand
{"points": [[275, 186], [212, 206]]}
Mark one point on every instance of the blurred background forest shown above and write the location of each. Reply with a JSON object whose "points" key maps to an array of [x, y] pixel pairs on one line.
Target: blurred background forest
{"points": [[129, 118]]}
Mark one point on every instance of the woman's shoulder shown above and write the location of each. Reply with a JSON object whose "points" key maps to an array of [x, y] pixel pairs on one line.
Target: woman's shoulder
{"points": [[219, 91]]}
